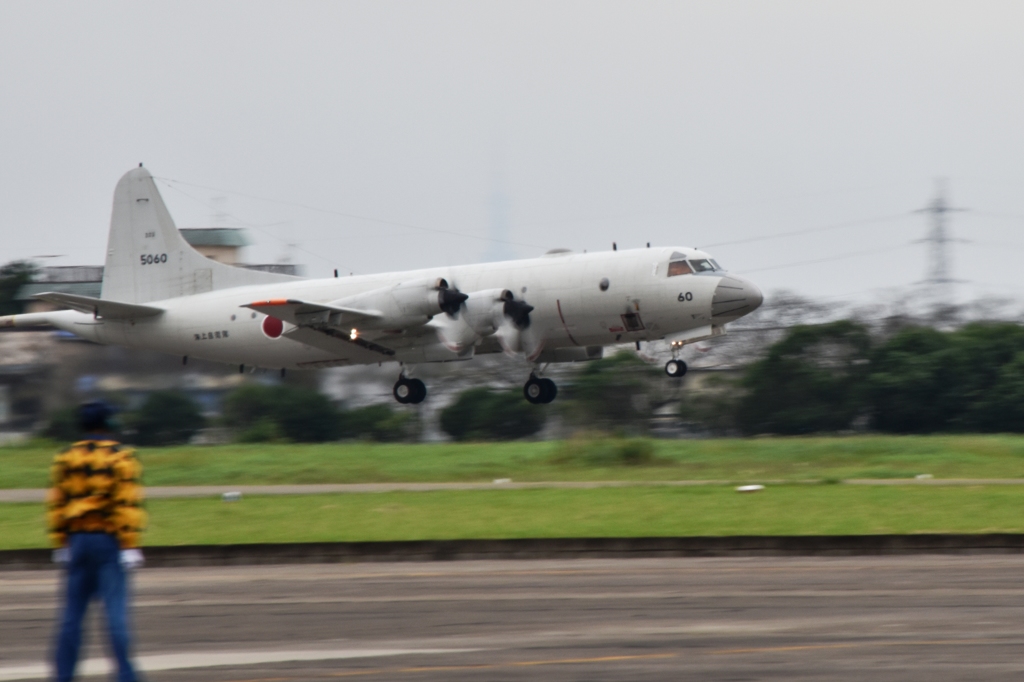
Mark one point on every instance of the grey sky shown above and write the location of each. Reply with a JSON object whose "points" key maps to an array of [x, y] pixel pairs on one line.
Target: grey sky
{"points": [[675, 123]]}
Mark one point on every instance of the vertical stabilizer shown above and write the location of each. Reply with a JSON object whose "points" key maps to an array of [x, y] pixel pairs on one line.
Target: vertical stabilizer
{"points": [[149, 260]]}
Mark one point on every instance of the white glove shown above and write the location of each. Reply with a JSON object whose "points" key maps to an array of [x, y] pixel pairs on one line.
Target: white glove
{"points": [[131, 559], [61, 555]]}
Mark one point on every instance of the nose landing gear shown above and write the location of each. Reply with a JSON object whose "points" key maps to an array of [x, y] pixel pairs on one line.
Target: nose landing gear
{"points": [[675, 368], [408, 390], [540, 391]]}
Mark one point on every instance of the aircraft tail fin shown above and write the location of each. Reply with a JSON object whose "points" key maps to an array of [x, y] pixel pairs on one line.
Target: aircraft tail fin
{"points": [[149, 260]]}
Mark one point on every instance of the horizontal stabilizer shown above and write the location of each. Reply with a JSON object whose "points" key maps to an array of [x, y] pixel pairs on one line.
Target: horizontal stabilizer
{"points": [[112, 310], [306, 313]]}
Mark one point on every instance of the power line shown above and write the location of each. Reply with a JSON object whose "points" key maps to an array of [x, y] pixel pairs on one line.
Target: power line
{"points": [[353, 216], [1002, 216], [828, 259], [994, 245], [692, 208], [259, 228], [810, 230]]}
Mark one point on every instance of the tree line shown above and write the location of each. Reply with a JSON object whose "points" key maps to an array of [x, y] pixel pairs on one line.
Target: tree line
{"points": [[838, 376], [823, 378], [252, 414]]}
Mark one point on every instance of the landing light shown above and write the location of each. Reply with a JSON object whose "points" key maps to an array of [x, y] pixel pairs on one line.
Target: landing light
{"points": [[354, 334]]}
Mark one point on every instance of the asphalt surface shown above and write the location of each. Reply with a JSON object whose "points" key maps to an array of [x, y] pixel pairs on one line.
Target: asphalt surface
{"points": [[885, 618]]}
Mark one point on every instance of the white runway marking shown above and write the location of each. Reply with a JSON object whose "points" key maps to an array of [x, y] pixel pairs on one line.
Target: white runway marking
{"points": [[209, 659]]}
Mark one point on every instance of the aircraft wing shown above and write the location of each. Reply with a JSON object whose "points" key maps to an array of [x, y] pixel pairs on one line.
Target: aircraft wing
{"points": [[305, 313], [112, 310], [316, 325], [352, 350]]}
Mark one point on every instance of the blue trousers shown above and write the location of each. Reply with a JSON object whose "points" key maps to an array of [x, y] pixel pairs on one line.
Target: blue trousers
{"points": [[94, 571]]}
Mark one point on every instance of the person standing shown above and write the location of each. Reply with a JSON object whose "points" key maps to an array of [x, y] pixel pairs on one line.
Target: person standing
{"points": [[95, 518]]}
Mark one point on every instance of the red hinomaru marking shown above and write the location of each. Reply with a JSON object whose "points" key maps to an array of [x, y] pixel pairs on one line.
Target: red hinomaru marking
{"points": [[273, 301], [272, 327]]}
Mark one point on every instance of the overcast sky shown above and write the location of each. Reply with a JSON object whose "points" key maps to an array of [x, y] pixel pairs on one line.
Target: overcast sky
{"points": [[378, 136]]}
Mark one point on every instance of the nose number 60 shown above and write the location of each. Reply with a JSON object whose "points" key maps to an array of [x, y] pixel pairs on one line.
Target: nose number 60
{"points": [[688, 296]]}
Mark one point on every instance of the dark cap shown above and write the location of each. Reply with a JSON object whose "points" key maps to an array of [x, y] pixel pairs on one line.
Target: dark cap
{"points": [[94, 416]]}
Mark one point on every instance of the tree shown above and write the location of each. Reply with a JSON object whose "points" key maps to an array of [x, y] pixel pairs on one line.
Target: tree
{"points": [[1002, 407], [377, 422], [166, 418], [923, 380], [612, 393], [13, 276], [986, 355], [307, 416], [299, 414], [810, 381], [63, 426], [713, 409], [249, 404], [908, 391], [486, 414]]}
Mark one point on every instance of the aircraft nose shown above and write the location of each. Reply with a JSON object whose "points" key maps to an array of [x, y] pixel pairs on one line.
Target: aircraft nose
{"points": [[734, 297]]}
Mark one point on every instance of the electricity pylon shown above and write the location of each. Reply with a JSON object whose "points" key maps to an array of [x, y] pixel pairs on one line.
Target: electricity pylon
{"points": [[939, 278]]}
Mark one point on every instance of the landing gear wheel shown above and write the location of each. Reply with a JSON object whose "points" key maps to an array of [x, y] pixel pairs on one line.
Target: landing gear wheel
{"points": [[550, 390], [402, 390], [540, 391], [675, 369], [533, 391], [419, 391], [409, 391]]}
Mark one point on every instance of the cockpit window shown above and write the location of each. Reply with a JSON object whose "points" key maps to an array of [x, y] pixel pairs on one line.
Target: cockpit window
{"points": [[679, 267], [702, 265], [715, 263]]}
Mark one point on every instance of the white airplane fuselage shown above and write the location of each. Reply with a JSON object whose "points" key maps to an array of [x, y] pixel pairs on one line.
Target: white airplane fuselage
{"points": [[160, 294], [570, 308]]}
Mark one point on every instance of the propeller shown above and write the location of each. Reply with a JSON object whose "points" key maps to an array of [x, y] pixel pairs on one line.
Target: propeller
{"points": [[517, 311], [450, 300], [454, 330], [514, 331], [469, 318]]}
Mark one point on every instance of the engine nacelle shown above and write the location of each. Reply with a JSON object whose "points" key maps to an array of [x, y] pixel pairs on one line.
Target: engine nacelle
{"points": [[479, 311], [406, 304]]}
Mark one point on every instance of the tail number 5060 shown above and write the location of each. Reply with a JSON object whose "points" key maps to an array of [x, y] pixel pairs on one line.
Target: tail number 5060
{"points": [[153, 258]]}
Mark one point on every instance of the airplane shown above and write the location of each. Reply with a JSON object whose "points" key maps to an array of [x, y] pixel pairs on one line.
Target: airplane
{"points": [[158, 293]]}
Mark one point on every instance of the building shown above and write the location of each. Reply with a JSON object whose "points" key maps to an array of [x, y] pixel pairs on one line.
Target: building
{"points": [[42, 371], [222, 244]]}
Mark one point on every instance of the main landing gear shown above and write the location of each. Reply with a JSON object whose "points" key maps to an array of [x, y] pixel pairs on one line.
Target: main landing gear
{"points": [[409, 390], [540, 391], [675, 368]]}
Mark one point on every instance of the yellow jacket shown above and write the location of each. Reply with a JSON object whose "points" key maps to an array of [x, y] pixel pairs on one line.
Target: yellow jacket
{"points": [[96, 488]]}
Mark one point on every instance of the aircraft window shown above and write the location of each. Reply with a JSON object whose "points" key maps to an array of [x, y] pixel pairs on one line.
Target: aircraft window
{"points": [[702, 265], [679, 267], [715, 263]]}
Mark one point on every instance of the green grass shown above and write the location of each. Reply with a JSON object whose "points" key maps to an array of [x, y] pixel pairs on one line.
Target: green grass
{"points": [[789, 459], [607, 512]]}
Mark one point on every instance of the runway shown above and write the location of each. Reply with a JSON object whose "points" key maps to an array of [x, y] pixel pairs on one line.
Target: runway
{"points": [[899, 618]]}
